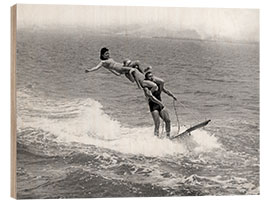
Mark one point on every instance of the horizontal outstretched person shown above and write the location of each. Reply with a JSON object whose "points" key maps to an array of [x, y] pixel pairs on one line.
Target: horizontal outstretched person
{"points": [[129, 68]]}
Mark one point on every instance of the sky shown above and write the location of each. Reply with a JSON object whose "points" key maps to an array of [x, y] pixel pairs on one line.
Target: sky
{"points": [[235, 24]]}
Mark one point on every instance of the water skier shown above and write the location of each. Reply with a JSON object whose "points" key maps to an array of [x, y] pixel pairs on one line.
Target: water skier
{"points": [[133, 74], [156, 106]]}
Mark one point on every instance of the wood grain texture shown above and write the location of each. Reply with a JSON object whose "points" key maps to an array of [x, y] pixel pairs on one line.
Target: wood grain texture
{"points": [[13, 100]]}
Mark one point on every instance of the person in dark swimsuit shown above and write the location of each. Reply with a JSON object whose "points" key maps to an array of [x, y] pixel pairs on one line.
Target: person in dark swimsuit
{"points": [[153, 105], [156, 106]]}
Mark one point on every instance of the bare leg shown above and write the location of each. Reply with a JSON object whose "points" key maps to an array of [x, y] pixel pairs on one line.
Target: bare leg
{"points": [[155, 115], [133, 75], [128, 76], [164, 114], [136, 64], [151, 85], [140, 79]]}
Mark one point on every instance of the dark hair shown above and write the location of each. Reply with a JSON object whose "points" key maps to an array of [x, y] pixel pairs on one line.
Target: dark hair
{"points": [[146, 75], [147, 71], [102, 51]]}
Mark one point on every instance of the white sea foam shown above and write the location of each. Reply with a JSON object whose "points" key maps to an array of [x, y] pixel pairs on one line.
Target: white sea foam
{"points": [[92, 125]]}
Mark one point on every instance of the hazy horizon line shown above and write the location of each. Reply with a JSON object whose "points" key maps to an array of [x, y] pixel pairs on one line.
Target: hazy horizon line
{"points": [[69, 29]]}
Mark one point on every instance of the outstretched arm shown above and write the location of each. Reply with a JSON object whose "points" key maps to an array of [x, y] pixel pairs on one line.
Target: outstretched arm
{"points": [[169, 93], [95, 68], [165, 90]]}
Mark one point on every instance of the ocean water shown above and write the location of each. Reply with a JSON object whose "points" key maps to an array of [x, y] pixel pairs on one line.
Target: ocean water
{"points": [[91, 135]]}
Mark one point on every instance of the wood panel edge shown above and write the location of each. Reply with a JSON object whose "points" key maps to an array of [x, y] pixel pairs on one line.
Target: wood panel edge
{"points": [[13, 30]]}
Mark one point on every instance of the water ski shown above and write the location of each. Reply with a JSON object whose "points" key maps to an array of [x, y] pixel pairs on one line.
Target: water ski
{"points": [[189, 130]]}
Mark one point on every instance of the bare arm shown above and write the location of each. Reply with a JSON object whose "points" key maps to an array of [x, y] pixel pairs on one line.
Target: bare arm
{"points": [[149, 95], [169, 93], [165, 90], [95, 68], [159, 81]]}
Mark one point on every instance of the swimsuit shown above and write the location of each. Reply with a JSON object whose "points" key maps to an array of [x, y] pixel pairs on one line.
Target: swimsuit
{"points": [[153, 105], [111, 64]]}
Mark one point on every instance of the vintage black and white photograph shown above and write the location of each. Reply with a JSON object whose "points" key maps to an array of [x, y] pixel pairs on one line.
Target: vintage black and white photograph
{"points": [[136, 101]]}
